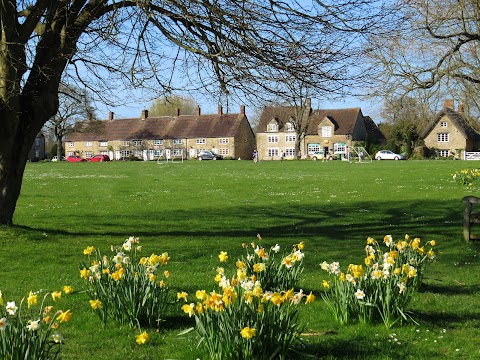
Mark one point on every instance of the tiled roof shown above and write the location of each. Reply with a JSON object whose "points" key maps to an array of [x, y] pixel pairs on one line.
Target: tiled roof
{"points": [[373, 129], [164, 127], [460, 121]]}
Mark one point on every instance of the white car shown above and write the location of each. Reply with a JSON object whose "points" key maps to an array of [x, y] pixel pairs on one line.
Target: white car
{"points": [[55, 158], [388, 155]]}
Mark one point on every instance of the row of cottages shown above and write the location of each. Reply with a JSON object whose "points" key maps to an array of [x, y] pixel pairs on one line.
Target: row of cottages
{"points": [[152, 138], [331, 131], [450, 132]]}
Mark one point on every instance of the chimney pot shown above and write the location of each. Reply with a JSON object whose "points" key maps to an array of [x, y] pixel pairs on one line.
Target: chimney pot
{"points": [[144, 114], [198, 111], [242, 109], [448, 104], [110, 116]]}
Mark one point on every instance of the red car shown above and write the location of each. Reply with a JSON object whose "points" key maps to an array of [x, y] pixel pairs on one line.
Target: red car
{"points": [[99, 158], [75, 159]]}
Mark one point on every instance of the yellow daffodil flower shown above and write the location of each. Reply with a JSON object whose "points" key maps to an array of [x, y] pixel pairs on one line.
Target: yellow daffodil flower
{"points": [[32, 299], [95, 304], [223, 256], [142, 339], [310, 298], [64, 316], [247, 332]]}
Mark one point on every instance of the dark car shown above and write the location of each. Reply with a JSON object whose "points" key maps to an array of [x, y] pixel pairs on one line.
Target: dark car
{"points": [[99, 158], [75, 159], [209, 155]]}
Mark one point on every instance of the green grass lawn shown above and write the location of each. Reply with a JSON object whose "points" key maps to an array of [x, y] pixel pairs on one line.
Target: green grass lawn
{"points": [[195, 210]]}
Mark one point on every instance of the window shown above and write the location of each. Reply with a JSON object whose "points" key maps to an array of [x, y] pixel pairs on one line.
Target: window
{"points": [[442, 137], [71, 144], [177, 142], [289, 127], [158, 142], [223, 151], [37, 142], [103, 143], [273, 127], [272, 152], [443, 124], [126, 143], [339, 148], [125, 153], [88, 154], [443, 153], [137, 142], [177, 152], [88, 143], [103, 152], [158, 152], [313, 148], [290, 138], [290, 152], [272, 139], [326, 131], [71, 153], [201, 141], [223, 141]]}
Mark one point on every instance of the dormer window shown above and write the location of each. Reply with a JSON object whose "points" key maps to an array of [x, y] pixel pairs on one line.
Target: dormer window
{"points": [[273, 127], [289, 126]]}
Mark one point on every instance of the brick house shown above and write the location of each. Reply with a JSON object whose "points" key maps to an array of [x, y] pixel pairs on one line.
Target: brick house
{"points": [[37, 152], [151, 138], [326, 129], [450, 132]]}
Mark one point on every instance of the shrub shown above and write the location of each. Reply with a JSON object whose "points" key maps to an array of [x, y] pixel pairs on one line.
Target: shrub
{"points": [[242, 320], [382, 290], [29, 330], [125, 287]]}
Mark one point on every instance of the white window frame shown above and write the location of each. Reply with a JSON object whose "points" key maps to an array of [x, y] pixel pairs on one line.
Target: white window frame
{"points": [[273, 127], [223, 151], [223, 140], [137, 142], [158, 152], [289, 152], [443, 124], [103, 143], [326, 131], [443, 153], [71, 144], [339, 148], [177, 152], [290, 138], [443, 137], [88, 154], [125, 143], [272, 139], [177, 142], [201, 141], [311, 148], [88, 144], [272, 152], [158, 142], [289, 126]]}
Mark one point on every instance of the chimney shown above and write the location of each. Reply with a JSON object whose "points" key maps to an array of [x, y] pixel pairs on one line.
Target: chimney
{"points": [[448, 104], [197, 111], [110, 116], [242, 109], [220, 110], [308, 103], [177, 111], [144, 114], [461, 108]]}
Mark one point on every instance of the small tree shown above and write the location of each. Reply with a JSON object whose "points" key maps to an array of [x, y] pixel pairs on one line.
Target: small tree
{"points": [[168, 105]]}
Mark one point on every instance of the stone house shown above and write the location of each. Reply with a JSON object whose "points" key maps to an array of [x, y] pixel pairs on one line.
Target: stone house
{"points": [[450, 132], [37, 152], [331, 130], [151, 138]]}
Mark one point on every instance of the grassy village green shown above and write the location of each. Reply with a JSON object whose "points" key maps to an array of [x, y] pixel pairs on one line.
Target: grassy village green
{"points": [[195, 210]]}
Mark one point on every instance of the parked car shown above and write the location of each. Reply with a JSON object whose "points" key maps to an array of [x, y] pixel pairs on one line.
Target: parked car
{"points": [[55, 158], [388, 155], [317, 155], [99, 158], [209, 155], [75, 159]]}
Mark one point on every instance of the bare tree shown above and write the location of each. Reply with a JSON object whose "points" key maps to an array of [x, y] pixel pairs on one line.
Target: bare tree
{"points": [[168, 105], [433, 49], [74, 106], [107, 45]]}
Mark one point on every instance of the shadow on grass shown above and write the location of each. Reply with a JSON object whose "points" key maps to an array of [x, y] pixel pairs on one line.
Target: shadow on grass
{"points": [[450, 289], [347, 221], [446, 319]]}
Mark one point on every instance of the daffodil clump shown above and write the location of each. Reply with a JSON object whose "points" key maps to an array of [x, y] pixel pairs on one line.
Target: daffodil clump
{"points": [[126, 287], [467, 177], [30, 329], [381, 288], [274, 270], [243, 320]]}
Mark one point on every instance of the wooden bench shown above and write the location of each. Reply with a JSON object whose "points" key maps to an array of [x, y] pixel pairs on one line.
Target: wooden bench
{"points": [[470, 217]]}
